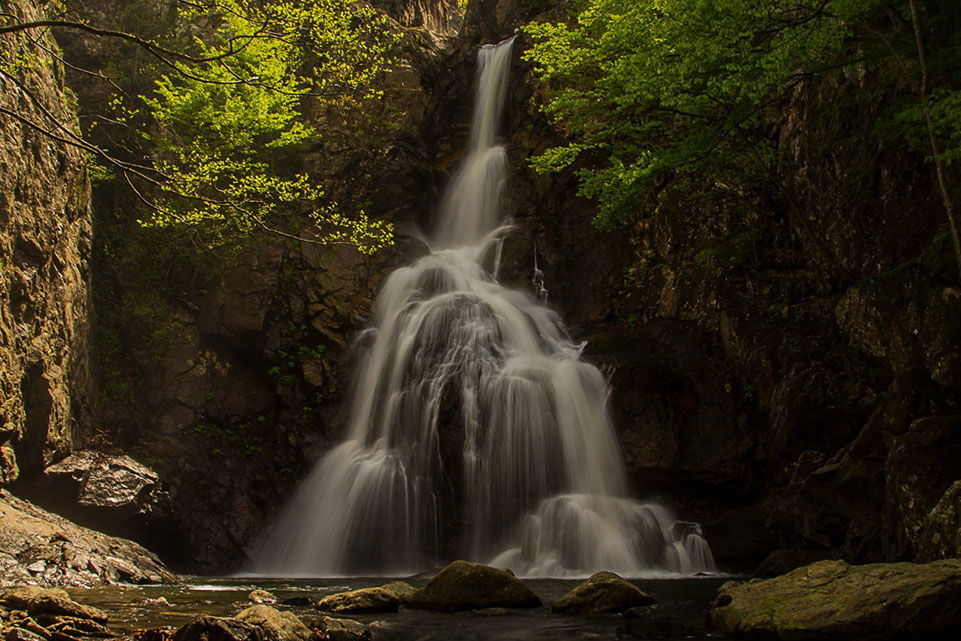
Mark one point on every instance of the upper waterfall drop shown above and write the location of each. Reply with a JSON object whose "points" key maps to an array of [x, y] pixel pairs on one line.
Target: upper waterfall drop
{"points": [[476, 431]]}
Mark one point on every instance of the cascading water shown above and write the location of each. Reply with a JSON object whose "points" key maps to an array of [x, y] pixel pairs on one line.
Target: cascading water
{"points": [[476, 430]]}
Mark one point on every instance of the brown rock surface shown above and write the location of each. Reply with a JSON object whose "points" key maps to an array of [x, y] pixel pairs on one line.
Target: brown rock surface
{"points": [[834, 600], [43, 549]]}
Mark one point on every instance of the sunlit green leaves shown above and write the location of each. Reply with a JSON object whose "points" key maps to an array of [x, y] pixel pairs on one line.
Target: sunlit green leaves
{"points": [[225, 127], [676, 84]]}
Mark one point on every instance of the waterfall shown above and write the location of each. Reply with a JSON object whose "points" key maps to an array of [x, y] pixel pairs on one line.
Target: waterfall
{"points": [[476, 431]]}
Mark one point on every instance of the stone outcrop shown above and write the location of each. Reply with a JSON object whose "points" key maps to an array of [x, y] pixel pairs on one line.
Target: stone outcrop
{"points": [[400, 589], [277, 625], [54, 602], [208, 628], [360, 601], [603, 593], [44, 614], [834, 600], [471, 586], [42, 549], [331, 629], [45, 249]]}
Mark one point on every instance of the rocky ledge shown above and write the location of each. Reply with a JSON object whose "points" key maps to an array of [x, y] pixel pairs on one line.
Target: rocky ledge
{"points": [[43, 549], [833, 600]]}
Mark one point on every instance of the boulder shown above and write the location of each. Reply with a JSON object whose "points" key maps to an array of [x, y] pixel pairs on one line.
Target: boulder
{"points": [[400, 589], [277, 625], [358, 601], [604, 592], [471, 586], [103, 480], [48, 601], [331, 629], [834, 600], [261, 596], [40, 548], [208, 628]]}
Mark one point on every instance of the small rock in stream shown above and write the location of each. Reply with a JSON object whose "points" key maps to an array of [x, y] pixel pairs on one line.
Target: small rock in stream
{"points": [[261, 597]]}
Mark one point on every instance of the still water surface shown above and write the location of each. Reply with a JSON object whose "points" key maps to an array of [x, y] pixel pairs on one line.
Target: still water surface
{"points": [[679, 613]]}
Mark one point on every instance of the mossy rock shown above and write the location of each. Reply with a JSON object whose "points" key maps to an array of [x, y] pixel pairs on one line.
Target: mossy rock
{"points": [[400, 589], [471, 586], [833, 600], [359, 601], [277, 625], [604, 592]]}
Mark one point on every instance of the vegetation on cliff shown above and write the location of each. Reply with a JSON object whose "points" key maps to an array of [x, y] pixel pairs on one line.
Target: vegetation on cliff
{"points": [[683, 86], [204, 136]]}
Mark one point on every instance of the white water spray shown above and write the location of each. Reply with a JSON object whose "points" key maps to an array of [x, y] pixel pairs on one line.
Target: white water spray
{"points": [[476, 430]]}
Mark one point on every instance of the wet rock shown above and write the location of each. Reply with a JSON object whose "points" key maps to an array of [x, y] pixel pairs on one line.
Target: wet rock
{"points": [[471, 586], [604, 592], [155, 634], [331, 629], [834, 600], [40, 548], [261, 596], [277, 625], [208, 628], [74, 627], [19, 634], [400, 589], [492, 612], [363, 600], [48, 601]]}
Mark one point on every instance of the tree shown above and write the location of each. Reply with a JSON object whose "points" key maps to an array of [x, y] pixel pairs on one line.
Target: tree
{"points": [[645, 87], [219, 123]]}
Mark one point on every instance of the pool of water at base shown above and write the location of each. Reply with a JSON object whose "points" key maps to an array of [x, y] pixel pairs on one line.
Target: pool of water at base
{"points": [[678, 614]]}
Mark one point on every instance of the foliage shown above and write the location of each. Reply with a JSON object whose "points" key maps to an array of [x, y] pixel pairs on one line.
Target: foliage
{"points": [[221, 127], [642, 87]]}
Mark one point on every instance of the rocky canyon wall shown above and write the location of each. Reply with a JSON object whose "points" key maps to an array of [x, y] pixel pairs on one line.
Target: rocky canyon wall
{"points": [[45, 249]]}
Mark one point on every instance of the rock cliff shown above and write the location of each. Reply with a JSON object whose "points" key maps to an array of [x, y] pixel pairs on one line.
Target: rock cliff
{"points": [[45, 246]]}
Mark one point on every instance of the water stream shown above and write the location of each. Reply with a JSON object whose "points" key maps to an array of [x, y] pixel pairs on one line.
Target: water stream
{"points": [[476, 429]]}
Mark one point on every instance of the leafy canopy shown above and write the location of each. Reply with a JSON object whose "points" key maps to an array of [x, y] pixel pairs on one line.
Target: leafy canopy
{"points": [[226, 130], [641, 86]]}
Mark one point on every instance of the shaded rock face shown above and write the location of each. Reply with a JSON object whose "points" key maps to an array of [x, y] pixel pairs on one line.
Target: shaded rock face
{"points": [[45, 237], [833, 600], [471, 586], [42, 549]]}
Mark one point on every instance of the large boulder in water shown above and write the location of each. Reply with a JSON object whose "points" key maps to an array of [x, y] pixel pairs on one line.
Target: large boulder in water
{"points": [[471, 586], [48, 601], [208, 628], [277, 625], [331, 629], [359, 601], [400, 589], [834, 600], [604, 592]]}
